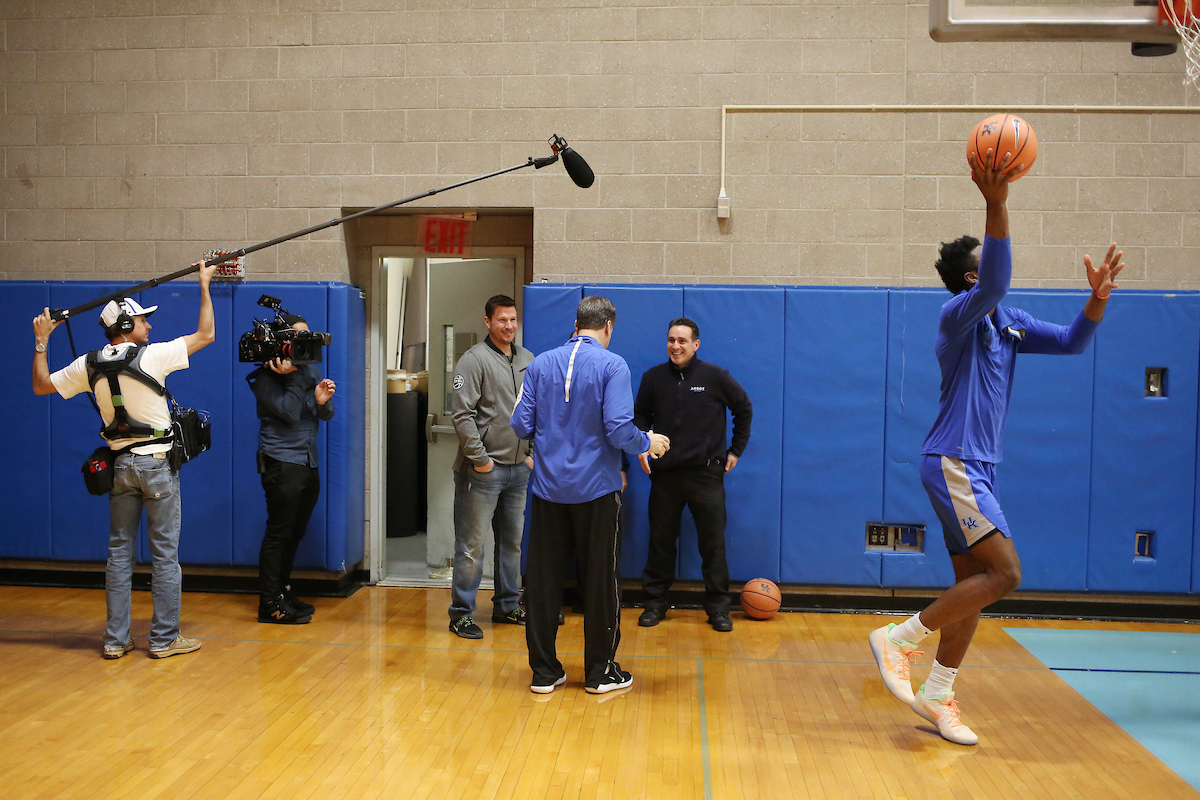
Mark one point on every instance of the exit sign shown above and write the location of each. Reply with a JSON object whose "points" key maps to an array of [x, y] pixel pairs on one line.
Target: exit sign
{"points": [[448, 236]]}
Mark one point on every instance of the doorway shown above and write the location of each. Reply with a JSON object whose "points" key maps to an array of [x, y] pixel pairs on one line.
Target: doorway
{"points": [[430, 311]]}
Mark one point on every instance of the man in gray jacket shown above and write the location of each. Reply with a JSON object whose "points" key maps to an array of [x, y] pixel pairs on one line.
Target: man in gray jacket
{"points": [[491, 470]]}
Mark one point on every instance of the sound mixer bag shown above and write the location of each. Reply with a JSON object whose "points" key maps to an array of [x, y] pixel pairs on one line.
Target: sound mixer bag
{"points": [[191, 435], [98, 471]]}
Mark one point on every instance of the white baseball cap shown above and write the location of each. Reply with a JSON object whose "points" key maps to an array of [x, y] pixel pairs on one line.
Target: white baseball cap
{"points": [[114, 309]]}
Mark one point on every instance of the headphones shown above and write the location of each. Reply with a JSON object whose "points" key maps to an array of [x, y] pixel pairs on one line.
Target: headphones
{"points": [[123, 324]]}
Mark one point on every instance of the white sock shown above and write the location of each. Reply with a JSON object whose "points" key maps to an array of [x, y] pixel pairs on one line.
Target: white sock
{"points": [[911, 630], [940, 681]]}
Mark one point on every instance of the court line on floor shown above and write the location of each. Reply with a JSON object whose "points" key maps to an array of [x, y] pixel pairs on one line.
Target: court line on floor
{"points": [[623, 655], [704, 760], [1129, 671]]}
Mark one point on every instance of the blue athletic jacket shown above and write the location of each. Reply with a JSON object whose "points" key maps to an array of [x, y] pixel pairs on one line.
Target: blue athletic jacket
{"points": [[977, 354], [577, 404]]}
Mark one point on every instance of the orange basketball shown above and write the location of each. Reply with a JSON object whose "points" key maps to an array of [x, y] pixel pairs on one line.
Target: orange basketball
{"points": [[760, 598], [1004, 133]]}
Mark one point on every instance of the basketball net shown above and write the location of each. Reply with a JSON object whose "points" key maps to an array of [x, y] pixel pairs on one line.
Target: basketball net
{"points": [[1182, 15], [232, 270]]}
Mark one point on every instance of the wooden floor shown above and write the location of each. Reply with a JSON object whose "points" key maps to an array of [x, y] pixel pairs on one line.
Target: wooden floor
{"points": [[376, 698]]}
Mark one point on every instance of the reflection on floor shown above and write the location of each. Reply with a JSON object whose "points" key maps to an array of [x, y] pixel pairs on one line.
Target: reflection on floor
{"points": [[1146, 682]]}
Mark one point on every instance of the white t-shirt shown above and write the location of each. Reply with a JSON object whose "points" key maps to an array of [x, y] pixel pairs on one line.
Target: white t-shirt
{"points": [[158, 361]]}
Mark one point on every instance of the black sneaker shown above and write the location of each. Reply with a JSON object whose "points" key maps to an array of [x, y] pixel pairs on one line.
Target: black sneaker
{"points": [[514, 617], [720, 622], [651, 617], [561, 619], [466, 628], [280, 612], [614, 678], [297, 603]]}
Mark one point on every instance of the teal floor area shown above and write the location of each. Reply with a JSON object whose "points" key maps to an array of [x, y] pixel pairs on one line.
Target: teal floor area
{"points": [[1148, 683]]}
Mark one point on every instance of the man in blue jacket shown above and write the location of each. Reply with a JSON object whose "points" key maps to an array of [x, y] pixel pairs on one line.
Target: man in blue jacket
{"points": [[577, 404], [977, 344]]}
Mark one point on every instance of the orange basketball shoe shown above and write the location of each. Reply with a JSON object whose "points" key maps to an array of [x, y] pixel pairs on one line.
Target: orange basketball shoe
{"points": [[895, 662], [945, 714]]}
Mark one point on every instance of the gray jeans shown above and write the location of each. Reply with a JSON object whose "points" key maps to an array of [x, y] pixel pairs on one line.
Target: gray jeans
{"points": [[143, 482]]}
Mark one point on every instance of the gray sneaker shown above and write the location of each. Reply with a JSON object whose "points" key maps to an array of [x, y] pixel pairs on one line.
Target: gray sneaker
{"points": [[181, 645], [113, 653]]}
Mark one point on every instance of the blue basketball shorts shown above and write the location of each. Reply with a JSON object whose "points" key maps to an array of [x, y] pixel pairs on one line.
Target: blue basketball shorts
{"points": [[964, 496]]}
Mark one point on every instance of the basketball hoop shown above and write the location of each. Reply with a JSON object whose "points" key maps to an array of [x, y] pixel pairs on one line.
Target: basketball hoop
{"points": [[232, 270], [1182, 15]]}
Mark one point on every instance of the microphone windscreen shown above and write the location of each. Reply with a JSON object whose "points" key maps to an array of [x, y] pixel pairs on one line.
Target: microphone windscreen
{"points": [[578, 169]]}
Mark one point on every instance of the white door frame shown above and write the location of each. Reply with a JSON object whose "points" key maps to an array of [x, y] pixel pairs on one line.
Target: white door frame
{"points": [[377, 385]]}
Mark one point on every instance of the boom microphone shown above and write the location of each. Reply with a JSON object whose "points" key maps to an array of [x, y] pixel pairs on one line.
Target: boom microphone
{"points": [[576, 167]]}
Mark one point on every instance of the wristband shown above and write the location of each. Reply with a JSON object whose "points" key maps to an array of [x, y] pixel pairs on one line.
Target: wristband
{"points": [[1098, 297]]}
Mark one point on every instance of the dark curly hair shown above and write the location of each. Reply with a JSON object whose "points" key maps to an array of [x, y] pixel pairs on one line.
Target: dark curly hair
{"points": [[955, 261]]}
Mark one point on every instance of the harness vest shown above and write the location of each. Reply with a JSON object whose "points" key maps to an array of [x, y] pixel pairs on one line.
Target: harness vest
{"points": [[127, 363]]}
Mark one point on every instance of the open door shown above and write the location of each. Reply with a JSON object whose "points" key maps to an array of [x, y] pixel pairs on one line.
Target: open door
{"points": [[458, 291]]}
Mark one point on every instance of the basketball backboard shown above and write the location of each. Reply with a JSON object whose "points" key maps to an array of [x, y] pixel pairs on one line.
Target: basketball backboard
{"points": [[1048, 20]]}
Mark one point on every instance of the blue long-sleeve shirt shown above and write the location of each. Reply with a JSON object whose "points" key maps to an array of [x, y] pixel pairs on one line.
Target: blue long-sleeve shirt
{"points": [[977, 354], [288, 413], [577, 404]]}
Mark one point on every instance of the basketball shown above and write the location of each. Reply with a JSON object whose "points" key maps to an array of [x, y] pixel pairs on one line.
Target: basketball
{"points": [[760, 598], [1004, 133]]}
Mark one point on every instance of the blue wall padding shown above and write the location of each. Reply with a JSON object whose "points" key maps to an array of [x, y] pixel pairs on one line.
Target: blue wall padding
{"points": [[223, 507], [743, 330], [1143, 449], [913, 379], [1042, 485], [344, 481], [27, 431], [640, 337], [833, 434], [548, 315]]}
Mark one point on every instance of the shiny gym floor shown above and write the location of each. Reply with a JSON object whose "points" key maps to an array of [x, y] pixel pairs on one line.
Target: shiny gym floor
{"points": [[376, 699]]}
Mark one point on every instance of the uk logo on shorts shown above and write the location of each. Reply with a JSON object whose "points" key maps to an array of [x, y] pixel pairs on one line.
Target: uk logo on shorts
{"points": [[969, 523]]}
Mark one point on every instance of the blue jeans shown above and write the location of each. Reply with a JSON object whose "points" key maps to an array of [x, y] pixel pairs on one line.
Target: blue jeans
{"points": [[484, 500], [143, 482]]}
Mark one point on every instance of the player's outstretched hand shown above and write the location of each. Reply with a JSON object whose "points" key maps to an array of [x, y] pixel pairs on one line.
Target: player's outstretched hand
{"points": [[1103, 278], [993, 180]]}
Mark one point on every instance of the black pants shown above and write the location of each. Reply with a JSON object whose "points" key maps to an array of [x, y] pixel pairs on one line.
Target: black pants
{"points": [[701, 489], [292, 491], [591, 528]]}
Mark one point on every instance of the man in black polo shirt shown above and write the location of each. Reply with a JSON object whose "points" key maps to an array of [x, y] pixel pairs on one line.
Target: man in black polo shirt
{"points": [[291, 401], [687, 399]]}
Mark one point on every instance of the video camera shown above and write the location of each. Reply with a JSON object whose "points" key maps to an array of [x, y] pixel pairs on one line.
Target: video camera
{"points": [[276, 339]]}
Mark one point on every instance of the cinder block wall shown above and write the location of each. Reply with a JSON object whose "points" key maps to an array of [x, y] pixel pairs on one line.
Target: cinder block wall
{"points": [[138, 133]]}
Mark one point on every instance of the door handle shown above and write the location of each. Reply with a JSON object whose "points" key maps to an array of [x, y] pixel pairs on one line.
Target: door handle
{"points": [[432, 430]]}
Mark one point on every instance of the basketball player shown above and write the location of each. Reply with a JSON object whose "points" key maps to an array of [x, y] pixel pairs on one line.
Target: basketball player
{"points": [[977, 344]]}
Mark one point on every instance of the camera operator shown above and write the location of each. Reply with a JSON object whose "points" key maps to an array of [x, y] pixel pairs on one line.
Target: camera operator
{"points": [[143, 476], [292, 399]]}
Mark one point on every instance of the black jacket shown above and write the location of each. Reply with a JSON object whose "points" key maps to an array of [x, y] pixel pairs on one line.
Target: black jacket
{"points": [[689, 407]]}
